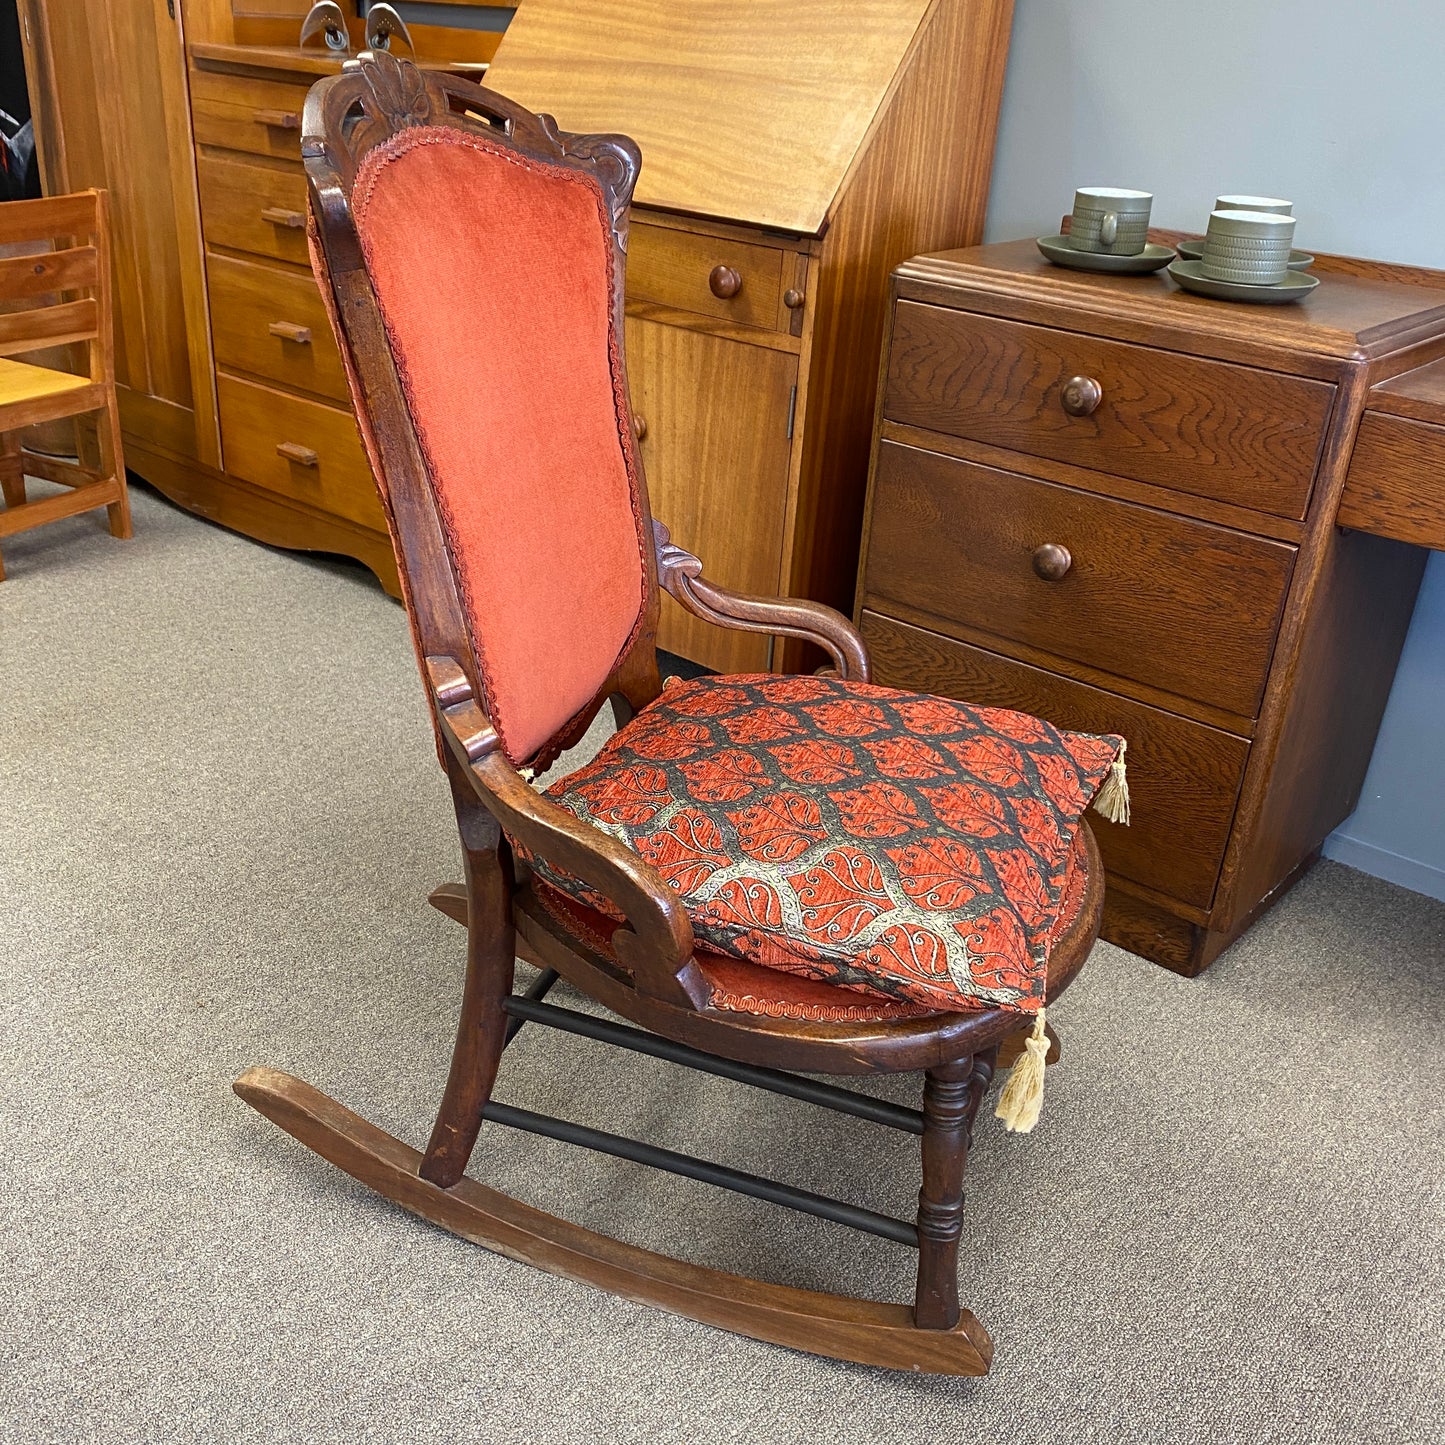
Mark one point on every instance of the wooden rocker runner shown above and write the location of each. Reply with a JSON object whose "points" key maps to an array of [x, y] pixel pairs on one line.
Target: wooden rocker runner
{"points": [[735, 874]]}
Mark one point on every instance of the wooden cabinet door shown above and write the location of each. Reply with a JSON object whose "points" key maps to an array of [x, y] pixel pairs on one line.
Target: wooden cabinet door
{"points": [[715, 416], [108, 91]]}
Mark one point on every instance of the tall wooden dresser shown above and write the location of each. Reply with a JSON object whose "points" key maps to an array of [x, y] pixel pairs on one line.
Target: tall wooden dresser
{"points": [[792, 154], [1114, 504], [188, 112]]}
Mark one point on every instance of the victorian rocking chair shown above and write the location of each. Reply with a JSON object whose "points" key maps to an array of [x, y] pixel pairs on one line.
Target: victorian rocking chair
{"points": [[472, 256]]}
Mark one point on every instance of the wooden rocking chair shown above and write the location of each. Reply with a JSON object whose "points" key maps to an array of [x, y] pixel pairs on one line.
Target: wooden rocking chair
{"points": [[532, 570]]}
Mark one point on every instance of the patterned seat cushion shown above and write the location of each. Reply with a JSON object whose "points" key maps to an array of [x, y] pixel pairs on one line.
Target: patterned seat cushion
{"points": [[893, 843], [736, 986]]}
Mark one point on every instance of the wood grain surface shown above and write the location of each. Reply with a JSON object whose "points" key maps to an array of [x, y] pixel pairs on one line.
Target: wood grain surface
{"points": [[1396, 482], [253, 205], [736, 523], [1240, 435], [248, 299], [1173, 602], [801, 84], [255, 420]]}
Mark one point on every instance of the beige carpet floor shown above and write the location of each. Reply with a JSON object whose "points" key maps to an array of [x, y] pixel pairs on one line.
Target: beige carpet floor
{"points": [[220, 816]]}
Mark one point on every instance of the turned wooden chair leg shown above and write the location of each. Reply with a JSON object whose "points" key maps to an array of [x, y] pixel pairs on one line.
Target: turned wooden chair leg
{"points": [[951, 1097], [482, 1029]]}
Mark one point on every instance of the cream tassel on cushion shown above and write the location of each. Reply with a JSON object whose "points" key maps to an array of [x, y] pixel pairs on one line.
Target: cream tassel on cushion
{"points": [[1112, 801], [1023, 1095]]}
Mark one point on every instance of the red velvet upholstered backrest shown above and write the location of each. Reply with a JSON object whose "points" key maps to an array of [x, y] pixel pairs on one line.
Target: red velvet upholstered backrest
{"points": [[493, 272]]}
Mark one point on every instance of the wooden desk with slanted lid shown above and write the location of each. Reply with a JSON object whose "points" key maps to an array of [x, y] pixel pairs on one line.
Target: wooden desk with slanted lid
{"points": [[1130, 509], [791, 156]]}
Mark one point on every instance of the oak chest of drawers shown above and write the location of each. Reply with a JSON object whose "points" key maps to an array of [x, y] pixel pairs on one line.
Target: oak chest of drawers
{"points": [[1113, 504]]}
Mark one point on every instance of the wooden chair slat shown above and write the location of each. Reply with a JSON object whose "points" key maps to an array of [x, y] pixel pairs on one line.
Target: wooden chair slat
{"points": [[50, 218], [73, 269], [42, 326]]}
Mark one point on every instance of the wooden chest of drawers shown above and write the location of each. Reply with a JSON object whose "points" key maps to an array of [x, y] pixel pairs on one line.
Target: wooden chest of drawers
{"points": [[1113, 504]]}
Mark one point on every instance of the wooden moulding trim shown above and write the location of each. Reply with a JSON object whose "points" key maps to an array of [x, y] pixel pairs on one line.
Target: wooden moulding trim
{"points": [[1104, 315], [1188, 504], [273, 518], [268, 60], [861, 1331]]}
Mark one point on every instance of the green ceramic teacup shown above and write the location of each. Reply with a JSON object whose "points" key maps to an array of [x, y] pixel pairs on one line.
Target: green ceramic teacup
{"points": [[1250, 248], [1110, 221]]}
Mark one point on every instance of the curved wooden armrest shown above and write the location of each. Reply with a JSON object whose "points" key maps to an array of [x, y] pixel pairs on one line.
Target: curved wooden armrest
{"points": [[658, 949], [681, 574]]}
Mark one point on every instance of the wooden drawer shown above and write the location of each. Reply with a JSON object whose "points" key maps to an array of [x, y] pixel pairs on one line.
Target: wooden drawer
{"points": [[252, 206], [256, 421], [1184, 777], [673, 268], [1396, 483], [273, 324], [1176, 604], [247, 114], [1206, 427]]}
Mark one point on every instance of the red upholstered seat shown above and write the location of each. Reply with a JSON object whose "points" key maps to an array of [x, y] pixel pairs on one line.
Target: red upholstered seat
{"points": [[898, 845]]}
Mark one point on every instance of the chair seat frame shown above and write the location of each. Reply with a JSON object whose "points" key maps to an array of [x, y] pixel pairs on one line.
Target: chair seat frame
{"points": [[649, 975]]}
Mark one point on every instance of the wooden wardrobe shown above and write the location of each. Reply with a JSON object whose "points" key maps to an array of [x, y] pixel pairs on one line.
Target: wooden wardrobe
{"points": [[792, 155]]}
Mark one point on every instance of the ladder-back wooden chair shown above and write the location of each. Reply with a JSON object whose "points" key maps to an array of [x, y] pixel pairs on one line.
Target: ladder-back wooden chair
{"points": [[72, 285], [766, 876]]}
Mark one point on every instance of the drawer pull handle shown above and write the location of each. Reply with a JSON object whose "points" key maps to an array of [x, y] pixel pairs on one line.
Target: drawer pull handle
{"points": [[290, 331], [280, 119], [1081, 396], [639, 427], [277, 217], [294, 452], [1052, 562], [724, 282], [793, 298]]}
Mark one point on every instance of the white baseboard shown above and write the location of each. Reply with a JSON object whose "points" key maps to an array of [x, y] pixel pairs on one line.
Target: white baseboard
{"points": [[1381, 863]]}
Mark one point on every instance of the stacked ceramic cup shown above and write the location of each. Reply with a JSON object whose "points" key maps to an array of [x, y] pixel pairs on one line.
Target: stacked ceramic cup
{"points": [[1249, 240]]}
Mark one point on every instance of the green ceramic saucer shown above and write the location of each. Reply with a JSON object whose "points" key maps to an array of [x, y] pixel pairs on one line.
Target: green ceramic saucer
{"points": [[1151, 258], [1193, 250], [1294, 287]]}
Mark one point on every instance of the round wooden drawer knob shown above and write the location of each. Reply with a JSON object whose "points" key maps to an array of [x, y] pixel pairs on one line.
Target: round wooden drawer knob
{"points": [[793, 299], [1051, 561], [724, 282], [639, 427], [1081, 395]]}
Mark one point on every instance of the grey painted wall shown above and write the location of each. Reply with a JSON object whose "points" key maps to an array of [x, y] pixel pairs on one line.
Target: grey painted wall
{"points": [[1340, 107]]}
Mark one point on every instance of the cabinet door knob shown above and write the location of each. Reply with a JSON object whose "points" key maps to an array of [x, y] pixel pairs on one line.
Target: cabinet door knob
{"points": [[724, 282], [1052, 561], [290, 331], [1081, 395], [279, 217], [793, 298], [639, 427], [295, 452]]}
